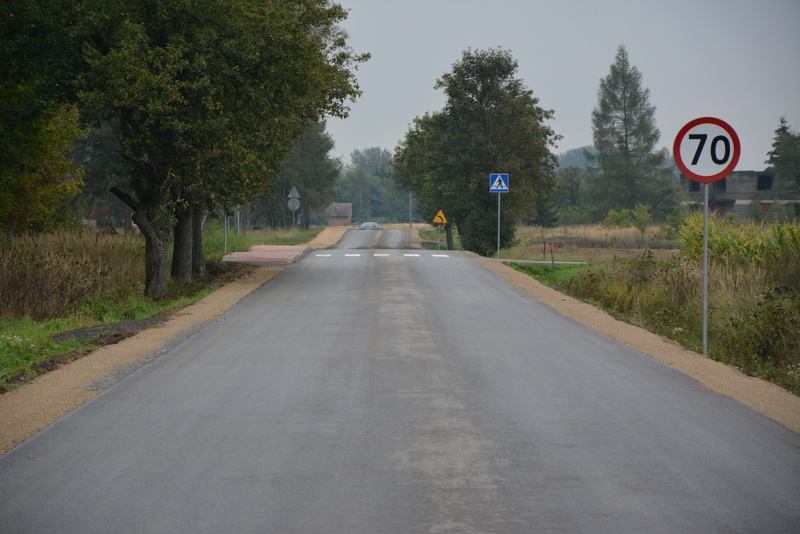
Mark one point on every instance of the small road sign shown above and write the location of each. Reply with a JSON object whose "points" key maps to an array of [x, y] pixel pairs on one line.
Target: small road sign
{"points": [[294, 204], [498, 183], [706, 149], [294, 193], [440, 218]]}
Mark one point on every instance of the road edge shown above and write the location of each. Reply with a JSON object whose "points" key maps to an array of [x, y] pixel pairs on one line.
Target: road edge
{"points": [[764, 397]]}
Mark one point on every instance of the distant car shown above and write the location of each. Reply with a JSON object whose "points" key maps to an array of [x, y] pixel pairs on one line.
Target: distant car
{"points": [[370, 226]]}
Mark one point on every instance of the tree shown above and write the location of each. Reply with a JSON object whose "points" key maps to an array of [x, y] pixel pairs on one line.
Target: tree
{"points": [[575, 157], [784, 158], [368, 184], [312, 171], [632, 169], [208, 98], [37, 175], [491, 123], [374, 160]]}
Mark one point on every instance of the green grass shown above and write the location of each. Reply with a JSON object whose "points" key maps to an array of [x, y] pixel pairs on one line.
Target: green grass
{"points": [[214, 239], [555, 276], [434, 235], [752, 325], [26, 344]]}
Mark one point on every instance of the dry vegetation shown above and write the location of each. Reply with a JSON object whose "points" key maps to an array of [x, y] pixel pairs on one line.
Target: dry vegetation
{"points": [[54, 275], [591, 243], [754, 286]]}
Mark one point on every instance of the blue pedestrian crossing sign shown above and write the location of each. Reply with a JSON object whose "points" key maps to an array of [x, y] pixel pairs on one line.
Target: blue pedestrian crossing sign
{"points": [[498, 183]]}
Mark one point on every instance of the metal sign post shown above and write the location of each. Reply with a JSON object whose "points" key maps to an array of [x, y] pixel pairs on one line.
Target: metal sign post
{"points": [[294, 204], [706, 150], [498, 183], [440, 219]]}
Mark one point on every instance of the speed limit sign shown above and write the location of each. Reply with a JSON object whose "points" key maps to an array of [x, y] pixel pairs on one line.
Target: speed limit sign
{"points": [[706, 149]]}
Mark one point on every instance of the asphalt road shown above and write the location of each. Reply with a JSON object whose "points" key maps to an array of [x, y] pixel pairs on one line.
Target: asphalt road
{"points": [[399, 391]]}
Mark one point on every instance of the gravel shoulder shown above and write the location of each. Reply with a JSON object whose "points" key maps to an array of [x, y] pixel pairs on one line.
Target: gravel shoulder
{"points": [[30, 408]]}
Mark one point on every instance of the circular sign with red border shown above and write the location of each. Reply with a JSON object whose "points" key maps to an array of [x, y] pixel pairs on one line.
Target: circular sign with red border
{"points": [[707, 149]]}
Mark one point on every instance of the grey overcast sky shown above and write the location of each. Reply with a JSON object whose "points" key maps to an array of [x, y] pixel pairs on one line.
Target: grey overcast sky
{"points": [[738, 60]]}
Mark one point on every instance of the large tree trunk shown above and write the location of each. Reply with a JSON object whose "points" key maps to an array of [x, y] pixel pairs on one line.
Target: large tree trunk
{"points": [[155, 283], [448, 232], [127, 219], [182, 248], [198, 260]]}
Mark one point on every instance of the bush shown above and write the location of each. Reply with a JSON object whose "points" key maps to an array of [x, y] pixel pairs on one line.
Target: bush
{"points": [[618, 219]]}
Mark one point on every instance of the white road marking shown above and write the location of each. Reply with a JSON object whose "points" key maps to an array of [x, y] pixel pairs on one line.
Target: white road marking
{"points": [[411, 255]]}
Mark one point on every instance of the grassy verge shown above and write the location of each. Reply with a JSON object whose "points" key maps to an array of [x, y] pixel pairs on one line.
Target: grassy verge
{"points": [[753, 324], [71, 280], [431, 236], [214, 239]]}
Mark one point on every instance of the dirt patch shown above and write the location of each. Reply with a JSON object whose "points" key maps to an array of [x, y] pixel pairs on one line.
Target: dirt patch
{"points": [[110, 333], [27, 410]]}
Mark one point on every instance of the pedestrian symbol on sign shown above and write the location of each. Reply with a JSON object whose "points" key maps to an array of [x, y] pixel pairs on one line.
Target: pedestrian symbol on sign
{"points": [[498, 183]]}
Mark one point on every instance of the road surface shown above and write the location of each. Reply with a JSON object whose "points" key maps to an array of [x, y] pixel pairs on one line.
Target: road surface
{"points": [[382, 390]]}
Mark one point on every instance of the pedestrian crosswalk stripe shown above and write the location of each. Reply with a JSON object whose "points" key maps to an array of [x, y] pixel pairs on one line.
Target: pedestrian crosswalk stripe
{"points": [[381, 255]]}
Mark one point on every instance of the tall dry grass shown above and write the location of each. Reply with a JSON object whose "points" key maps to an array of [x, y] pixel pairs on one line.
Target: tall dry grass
{"points": [[754, 294], [53, 275], [590, 243]]}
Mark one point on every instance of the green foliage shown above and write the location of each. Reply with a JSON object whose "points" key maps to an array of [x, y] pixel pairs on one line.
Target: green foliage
{"points": [[37, 176], [784, 158], [776, 248], [54, 283], [754, 294], [641, 217], [632, 169], [751, 326], [573, 186], [374, 160], [24, 343], [308, 168], [673, 223], [206, 98], [617, 219], [575, 157], [367, 183], [490, 123], [557, 276], [214, 239]]}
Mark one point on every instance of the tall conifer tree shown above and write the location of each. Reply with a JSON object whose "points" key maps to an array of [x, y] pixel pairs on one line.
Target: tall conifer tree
{"points": [[631, 168]]}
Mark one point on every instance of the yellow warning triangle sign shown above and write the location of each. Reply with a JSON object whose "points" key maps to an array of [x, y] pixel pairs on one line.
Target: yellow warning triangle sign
{"points": [[440, 218]]}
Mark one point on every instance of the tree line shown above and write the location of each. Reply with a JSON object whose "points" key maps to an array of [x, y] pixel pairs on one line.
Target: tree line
{"points": [[201, 102], [492, 123]]}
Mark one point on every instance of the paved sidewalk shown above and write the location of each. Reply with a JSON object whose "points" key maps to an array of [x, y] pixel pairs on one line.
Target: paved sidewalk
{"points": [[281, 255], [267, 255]]}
